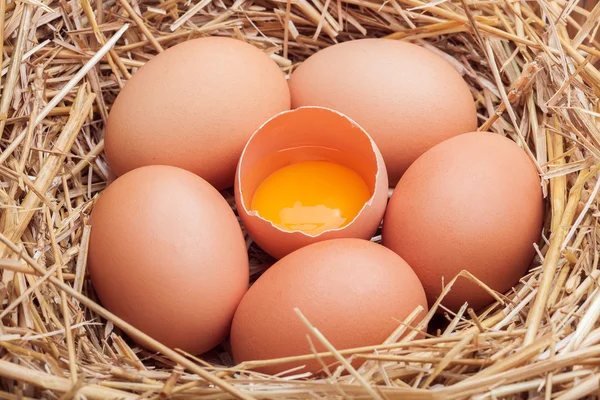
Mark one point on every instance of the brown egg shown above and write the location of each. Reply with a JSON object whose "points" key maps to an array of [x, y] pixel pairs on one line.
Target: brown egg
{"points": [[407, 97], [339, 189], [168, 256], [473, 202], [355, 292], [194, 106]]}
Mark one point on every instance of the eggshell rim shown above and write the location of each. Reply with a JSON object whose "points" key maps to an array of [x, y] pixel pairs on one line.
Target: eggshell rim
{"points": [[369, 202]]}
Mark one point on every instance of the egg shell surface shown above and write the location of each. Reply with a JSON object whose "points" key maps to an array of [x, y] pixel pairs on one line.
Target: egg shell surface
{"points": [[309, 134], [194, 106], [167, 255], [473, 202], [406, 97], [353, 291]]}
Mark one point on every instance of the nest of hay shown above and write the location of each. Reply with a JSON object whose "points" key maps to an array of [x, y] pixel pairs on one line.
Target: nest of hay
{"points": [[531, 67]]}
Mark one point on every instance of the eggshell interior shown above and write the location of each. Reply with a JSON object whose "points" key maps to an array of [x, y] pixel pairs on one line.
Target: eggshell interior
{"points": [[309, 134]]}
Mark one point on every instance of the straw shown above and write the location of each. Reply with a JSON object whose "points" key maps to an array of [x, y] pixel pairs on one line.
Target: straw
{"points": [[533, 71]]}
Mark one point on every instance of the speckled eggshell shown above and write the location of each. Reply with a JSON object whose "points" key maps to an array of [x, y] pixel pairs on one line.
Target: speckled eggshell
{"points": [[407, 97], [354, 291], [194, 106], [168, 256], [473, 202]]}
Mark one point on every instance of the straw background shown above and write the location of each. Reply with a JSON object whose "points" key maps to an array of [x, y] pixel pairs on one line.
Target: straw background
{"points": [[530, 65]]}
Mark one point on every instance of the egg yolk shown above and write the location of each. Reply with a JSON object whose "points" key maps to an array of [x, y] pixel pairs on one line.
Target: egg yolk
{"points": [[311, 196]]}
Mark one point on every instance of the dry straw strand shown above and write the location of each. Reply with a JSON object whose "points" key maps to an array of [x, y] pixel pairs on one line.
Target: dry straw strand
{"points": [[533, 71]]}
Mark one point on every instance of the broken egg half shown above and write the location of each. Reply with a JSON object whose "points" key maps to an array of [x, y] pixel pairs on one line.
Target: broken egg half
{"points": [[309, 175]]}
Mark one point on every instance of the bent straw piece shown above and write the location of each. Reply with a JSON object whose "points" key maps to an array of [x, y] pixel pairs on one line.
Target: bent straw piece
{"points": [[129, 329]]}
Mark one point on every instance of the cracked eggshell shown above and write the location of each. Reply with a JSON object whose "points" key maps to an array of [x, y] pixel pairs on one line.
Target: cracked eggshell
{"points": [[309, 134]]}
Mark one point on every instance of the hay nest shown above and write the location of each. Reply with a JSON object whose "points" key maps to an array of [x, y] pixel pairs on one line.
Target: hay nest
{"points": [[531, 68]]}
